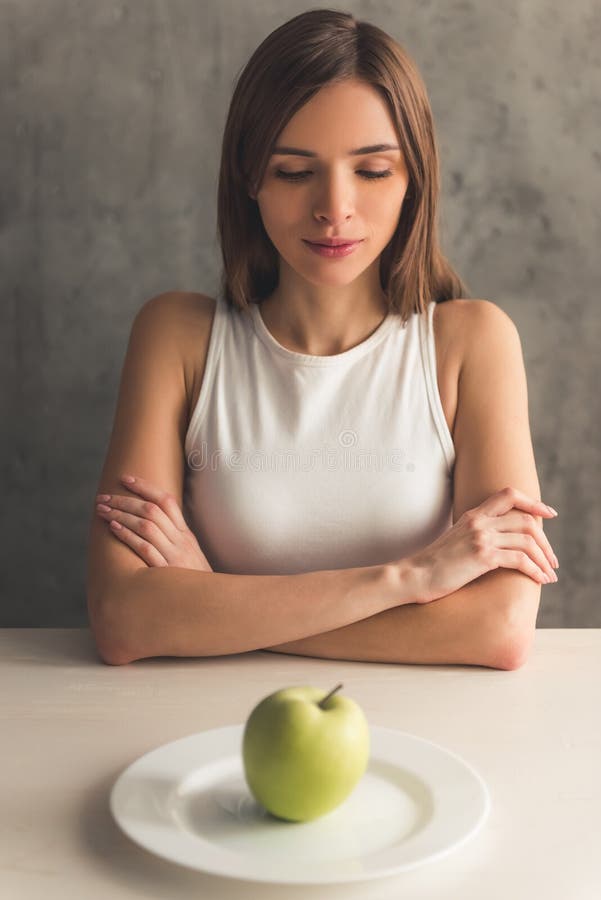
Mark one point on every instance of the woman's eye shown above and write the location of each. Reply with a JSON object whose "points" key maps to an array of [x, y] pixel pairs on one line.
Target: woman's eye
{"points": [[300, 176]]}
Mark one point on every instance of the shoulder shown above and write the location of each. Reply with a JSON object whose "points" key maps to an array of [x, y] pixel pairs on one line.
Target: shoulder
{"points": [[182, 321], [471, 325], [471, 313], [492, 377], [178, 311]]}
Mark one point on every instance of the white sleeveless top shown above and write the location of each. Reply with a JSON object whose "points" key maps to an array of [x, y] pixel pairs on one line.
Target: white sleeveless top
{"points": [[298, 463]]}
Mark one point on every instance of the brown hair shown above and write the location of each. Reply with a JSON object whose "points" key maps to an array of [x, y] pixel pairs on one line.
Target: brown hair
{"points": [[315, 48]]}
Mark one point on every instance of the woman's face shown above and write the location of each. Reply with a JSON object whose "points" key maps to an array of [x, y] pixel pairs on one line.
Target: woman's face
{"points": [[329, 192]]}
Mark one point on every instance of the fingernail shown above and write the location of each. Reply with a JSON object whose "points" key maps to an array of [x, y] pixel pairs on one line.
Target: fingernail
{"points": [[551, 510], [555, 562], [128, 479]]}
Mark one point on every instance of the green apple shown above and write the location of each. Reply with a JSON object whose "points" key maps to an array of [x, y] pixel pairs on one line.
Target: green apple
{"points": [[304, 751]]}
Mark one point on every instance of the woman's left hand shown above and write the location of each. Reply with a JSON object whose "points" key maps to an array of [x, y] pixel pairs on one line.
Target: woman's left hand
{"points": [[152, 524]]}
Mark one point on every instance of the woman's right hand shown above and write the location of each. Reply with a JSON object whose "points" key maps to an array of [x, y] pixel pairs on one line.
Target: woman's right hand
{"points": [[500, 532]]}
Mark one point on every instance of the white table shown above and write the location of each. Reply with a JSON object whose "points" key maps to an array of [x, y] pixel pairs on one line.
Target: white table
{"points": [[70, 725]]}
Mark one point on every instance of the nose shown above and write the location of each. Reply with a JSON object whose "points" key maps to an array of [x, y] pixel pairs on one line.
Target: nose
{"points": [[334, 201]]}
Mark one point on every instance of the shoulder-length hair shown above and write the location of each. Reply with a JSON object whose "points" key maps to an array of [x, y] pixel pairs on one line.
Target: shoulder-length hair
{"points": [[311, 50]]}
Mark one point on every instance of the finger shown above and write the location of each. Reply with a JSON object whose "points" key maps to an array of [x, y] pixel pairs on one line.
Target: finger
{"points": [[162, 498], [518, 521], [144, 509], [145, 551], [502, 501], [517, 559], [525, 545], [145, 530]]}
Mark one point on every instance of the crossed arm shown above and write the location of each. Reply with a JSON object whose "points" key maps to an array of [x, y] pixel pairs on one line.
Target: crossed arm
{"points": [[491, 620], [477, 625]]}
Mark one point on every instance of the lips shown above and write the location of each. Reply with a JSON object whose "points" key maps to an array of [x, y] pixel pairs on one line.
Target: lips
{"points": [[329, 251], [335, 242]]}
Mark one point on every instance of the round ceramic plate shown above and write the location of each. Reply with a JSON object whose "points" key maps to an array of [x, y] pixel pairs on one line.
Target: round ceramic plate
{"points": [[188, 802]]}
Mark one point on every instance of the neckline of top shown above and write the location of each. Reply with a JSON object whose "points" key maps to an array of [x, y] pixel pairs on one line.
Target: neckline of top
{"points": [[307, 359]]}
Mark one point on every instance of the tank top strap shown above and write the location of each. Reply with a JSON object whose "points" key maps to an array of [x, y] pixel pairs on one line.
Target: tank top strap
{"points": [[213, 352], [428, 356]]}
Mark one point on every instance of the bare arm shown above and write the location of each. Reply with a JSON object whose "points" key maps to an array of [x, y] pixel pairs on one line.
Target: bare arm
{"points": [[494, 449], [361, 613], [471, 626], [180, 612]]}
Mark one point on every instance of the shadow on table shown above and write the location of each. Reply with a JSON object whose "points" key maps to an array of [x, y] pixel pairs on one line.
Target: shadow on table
{"points": [[52, 646], [75, 646], [121, 862]]}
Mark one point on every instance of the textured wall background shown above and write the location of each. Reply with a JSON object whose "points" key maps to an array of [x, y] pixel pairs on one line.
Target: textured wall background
{"points": [[111, 122]]}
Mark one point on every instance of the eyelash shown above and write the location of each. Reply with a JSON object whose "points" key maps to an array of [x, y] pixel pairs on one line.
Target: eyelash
{"points": [[300, 176]]}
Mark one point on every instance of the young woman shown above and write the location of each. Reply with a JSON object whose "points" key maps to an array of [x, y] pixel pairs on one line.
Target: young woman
{"points": [[333, 457]]}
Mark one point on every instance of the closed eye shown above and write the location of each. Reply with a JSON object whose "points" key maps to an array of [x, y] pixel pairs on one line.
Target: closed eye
{"points": [[300, 176]]}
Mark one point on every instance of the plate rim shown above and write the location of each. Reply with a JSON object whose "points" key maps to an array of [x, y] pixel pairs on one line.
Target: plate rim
{"points": [[228, 734]]}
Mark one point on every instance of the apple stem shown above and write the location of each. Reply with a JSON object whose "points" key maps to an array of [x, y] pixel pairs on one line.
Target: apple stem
{"points": [[323, 702]]}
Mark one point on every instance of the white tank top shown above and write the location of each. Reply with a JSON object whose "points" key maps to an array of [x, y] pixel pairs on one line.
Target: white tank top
{"points": [[299, 463]]}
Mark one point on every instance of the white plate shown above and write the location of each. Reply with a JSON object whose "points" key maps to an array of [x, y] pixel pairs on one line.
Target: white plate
{"points": [[188, 802]]}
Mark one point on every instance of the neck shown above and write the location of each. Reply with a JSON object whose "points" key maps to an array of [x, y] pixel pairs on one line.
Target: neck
{"points": [[323, 322]]}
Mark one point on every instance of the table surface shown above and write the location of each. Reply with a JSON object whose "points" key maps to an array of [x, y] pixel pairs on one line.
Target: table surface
{"points": [[71, 725]]}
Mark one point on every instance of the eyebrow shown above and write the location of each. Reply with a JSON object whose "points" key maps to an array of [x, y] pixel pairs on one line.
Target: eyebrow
{"points": [[360, 151]]}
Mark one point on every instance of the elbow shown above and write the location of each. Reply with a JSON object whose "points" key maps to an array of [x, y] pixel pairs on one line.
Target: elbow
{"points": [[508, 654], [516, 655], [513, 651], [517, 627], [111, 645], [112, 656]]}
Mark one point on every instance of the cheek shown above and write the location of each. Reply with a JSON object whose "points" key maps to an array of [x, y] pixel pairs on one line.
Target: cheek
{"points": [[386, 212], [384, 202], [280, 214]]}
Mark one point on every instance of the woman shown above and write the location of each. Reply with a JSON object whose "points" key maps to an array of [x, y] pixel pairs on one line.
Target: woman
{"points": [[332, 458]]}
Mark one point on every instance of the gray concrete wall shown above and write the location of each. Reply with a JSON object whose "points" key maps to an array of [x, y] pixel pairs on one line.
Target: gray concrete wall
{"points": [[111, 124]]}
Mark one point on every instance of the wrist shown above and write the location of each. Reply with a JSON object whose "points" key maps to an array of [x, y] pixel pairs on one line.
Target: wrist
{"points": [[407, 581]]}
